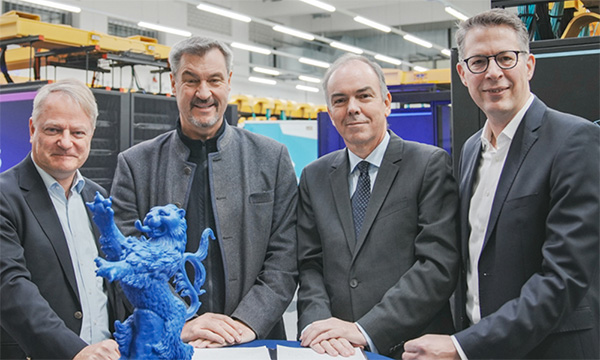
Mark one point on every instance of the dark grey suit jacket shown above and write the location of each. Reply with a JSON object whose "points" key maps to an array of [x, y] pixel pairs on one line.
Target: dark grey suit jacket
{"points": [[396, 278], [40, 309], [538, 271]]}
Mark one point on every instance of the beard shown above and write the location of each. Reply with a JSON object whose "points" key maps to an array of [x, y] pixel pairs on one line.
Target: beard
{"points": [[207, 123]]}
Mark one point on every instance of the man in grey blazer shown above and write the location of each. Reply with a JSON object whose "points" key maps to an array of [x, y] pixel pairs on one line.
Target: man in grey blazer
{"points": [[529, 186], [52, 304], [386, 279], [240, 184]]}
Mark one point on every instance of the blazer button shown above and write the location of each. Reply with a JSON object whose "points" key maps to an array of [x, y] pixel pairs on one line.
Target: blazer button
{"points": [[78, 315], [353, 283], [187, 170], [178, 204]]}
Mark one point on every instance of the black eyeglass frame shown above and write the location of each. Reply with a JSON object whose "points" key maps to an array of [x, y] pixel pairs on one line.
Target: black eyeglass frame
{"points": [[487, 58]]}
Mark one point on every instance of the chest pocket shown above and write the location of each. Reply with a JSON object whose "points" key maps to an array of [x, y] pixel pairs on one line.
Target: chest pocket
{"points": [[264, 197]]}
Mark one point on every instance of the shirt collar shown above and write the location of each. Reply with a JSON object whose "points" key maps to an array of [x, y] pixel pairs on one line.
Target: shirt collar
{"points": [[50, 182], [196, 145], [509, 130], [375, 157]]}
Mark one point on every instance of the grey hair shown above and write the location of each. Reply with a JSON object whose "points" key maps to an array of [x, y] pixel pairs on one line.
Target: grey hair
{"points": [[72, 88], [198, 45], [494, 17], [346, 58]]}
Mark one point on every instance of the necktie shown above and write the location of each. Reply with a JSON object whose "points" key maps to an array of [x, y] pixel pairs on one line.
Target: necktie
{"points": [[360, 198]]}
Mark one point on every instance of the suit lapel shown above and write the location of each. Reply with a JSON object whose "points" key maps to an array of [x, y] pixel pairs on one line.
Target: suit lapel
{"points": [[386, 174], [36, 196], [524, 139], [338, 180], [468, 167]]}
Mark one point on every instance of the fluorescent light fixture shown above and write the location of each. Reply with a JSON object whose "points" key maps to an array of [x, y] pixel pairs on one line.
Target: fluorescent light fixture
{"points": [[307, 88], [418, 41], [446, 52], [388, 59], [266, 71], [309, 79], [320, 5], [345, 47], [223, 12], [262, 80], [296, 33], [420, 68], [255, 49], [314, 62], [164, 29], [457, 14], [55, 5], [373, 24]]}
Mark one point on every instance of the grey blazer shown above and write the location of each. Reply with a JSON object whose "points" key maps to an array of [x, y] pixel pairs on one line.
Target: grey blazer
{"points": [[538, 270], [254, 192], [396, 278]]}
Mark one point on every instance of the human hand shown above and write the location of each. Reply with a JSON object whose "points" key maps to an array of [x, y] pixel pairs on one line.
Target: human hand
{"points": [[438, 347], [107, 349], [333, 336], [334, 347], [216, 330]]}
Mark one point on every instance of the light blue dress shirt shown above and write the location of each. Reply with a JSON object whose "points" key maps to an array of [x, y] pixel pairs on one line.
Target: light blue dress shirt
{"points": [[82, 248]]}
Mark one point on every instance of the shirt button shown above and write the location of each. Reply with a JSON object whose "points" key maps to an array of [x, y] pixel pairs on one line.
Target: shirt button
{"points": [[78, 315], [353, 283]]}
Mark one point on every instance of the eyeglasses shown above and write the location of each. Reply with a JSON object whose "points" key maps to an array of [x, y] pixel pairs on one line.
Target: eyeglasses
{"points": [[505, 60]]}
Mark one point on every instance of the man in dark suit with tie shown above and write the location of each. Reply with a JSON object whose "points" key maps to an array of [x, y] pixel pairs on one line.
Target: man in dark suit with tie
{"points": [[52, 304], [529, 186], [377, 243]]}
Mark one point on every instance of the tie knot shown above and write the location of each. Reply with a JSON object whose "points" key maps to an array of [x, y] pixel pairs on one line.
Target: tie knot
{"points": [[363, 167]]}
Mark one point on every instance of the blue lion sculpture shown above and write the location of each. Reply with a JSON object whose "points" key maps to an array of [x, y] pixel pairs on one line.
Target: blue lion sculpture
{"points": [[144, 267]]}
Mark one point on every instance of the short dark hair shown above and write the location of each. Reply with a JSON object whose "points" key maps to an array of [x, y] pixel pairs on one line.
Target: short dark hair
{"points": [[198, 45], [494, 17], [346, 58]]}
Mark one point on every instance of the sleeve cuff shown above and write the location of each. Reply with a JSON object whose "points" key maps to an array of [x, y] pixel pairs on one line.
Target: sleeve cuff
{"points": [[459, 349], [372, 347]]}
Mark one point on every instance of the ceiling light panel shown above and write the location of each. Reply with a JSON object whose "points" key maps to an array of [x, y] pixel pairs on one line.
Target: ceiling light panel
{"points": [[345, 47], [307, 88], [388, 59], [313, 62], [457, 14], [262, 80], [252, 48], [373, 24], [296, 33], [418, 41], [55, 5], [320, 5], [309, 79], [266, 71], [166, 29], [223, 12]]}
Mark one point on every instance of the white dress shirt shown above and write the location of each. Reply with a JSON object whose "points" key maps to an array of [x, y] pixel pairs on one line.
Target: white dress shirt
{"points": [[484, 191], [82, 248]]}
